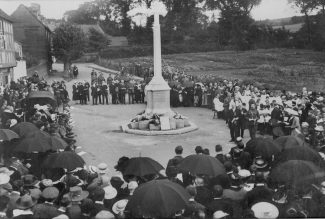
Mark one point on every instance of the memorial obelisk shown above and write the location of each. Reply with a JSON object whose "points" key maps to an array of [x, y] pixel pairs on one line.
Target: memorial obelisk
{"points": [[158, 91]]}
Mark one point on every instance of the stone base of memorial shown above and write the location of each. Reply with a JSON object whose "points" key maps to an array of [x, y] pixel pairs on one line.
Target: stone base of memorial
{"points": [[154, 124]]}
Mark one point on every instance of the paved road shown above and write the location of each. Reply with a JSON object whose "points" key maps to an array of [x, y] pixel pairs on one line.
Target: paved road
{"points": [[100, 138]]}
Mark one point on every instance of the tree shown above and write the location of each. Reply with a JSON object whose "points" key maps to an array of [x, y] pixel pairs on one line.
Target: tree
{"points": [[234, 21], [121, 8], [68, 43], [306, 7], [96, 40]]}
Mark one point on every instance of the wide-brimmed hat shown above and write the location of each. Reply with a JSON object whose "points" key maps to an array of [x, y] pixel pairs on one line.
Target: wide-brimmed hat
{"points": [[77, 194], [244, 173], [47, 182], [219, 214], [102, 168], [319, 128], [29, 180], [119, 206], [5, 170], [50, 193], [92, 169], [24, 202], [35, 193], [110, 192], [265, 210], [4, 178]]}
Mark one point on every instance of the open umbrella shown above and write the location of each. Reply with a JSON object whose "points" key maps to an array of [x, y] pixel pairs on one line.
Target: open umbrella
{"points": [[7, 135], [262, 147], [289, 141], [296, 173], [141, 166], [57, 143], [201, 164], [157, 199], [300, 153], [66, 159], [38, 141], [24, 128]]}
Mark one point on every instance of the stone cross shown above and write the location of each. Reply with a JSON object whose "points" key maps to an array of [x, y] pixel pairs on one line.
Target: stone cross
{"points": [[157, 9]]}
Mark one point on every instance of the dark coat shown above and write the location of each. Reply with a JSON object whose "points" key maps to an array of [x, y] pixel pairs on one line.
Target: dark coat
{"points": [[257, 194], [45, 210], [203, 195], [193, 208], [173, 163], [97, 208], [221, 158], [219, 204]]}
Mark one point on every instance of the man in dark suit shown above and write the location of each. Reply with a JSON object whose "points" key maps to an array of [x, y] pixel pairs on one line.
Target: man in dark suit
{"points": [[193, 208], [173, 163], [47, 209], [94, 93], [261, 192], [98, 196], [203, 195], [220, 156], [219, 203]]}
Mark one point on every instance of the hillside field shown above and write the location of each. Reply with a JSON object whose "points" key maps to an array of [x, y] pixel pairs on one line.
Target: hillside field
{"points": [[276, 68]]}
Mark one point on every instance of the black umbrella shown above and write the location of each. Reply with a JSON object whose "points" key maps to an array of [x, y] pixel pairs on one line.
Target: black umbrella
{"points": [[300, 153], [157, 199], [202, 165], [7, 135], [286, 142], [24, 128], [66, 159], [57, 143], [296, 173], [141, 166], [262, 147], [38, 141]]}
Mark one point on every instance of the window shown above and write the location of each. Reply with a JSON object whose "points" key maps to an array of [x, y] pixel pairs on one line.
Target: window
{"points": [[2, 41], [1, 26]]}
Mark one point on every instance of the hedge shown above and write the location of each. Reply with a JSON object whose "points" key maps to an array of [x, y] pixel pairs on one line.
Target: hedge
{"points": [[147, 50]]}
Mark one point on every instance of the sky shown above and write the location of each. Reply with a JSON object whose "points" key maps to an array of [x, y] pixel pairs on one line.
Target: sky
{"points": [[268, 9]]}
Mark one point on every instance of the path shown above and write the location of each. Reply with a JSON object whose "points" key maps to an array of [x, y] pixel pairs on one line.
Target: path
{"points": [[101, 140]]}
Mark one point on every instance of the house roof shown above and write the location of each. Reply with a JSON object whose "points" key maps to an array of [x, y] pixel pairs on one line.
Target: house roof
{"points": [[115, 41], [27, 9], [86, 27], [5, 16]]}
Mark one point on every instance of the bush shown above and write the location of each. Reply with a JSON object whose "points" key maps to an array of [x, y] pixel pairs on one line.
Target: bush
{"points": [[138, 51]]}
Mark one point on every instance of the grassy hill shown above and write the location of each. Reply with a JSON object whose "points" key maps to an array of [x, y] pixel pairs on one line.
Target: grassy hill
{"points": [[278, 68]]}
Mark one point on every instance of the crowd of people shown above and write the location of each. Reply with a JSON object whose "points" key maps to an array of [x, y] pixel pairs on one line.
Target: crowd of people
{"points": [[247, 186], [110, 90]]}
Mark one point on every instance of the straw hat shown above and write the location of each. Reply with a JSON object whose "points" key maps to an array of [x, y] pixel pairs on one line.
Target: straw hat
{"points": [[265, 210], [110, 192], [319, 128], [119, 206], [102, 168], [5, 170], [244, 173], [4, 178], [219, 214], [260, 163], [104, 215]]}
